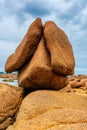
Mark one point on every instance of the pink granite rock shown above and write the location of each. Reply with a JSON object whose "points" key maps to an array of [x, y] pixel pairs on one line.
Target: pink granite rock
{"points": [[26, 48], [60, 49]]}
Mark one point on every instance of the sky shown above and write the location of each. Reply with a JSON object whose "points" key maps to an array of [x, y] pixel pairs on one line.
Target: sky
{"points": [[70, 15]]}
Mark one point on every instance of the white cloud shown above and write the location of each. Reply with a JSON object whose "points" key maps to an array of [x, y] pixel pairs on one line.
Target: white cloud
{"points": [[6, 49], [84, 16], [61, 5], [11, 31]]}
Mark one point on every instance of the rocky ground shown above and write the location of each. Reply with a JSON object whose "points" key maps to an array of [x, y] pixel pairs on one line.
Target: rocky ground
{"points": [[10, 76], [77, 84]]}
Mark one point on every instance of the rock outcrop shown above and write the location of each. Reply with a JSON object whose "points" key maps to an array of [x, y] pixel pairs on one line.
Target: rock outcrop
{"points": [[59, 47], [52, 110], [26, 48], [10, 100], [44, 58]]}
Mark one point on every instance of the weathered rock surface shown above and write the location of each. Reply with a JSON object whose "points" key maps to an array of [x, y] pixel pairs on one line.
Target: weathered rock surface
{"points": [[26, 48], [10, 99], [37, 74], [60, 49], [52, 110]]}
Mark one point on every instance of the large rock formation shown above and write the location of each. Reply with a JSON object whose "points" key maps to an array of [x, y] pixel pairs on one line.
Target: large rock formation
{"points": [[52, 110], [60, 49], [26, 48], [37, 73], [44, 58], [10, 99]]}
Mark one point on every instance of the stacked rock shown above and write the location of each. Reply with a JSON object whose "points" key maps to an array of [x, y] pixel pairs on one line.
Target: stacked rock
{"points": [[44, 58]]}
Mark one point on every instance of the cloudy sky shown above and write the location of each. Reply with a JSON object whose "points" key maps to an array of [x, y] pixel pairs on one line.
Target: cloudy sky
{"points": [[70, 15]]}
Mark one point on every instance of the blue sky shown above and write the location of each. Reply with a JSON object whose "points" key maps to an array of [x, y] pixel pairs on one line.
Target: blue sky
{"points": [[70, 15]]}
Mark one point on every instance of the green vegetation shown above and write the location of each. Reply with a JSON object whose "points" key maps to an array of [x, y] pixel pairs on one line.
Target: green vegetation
{"points": [[8, 80]]}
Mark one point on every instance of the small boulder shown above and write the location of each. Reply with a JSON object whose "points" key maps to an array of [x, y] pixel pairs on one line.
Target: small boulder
{"points": [[76, 83], [60, 49], [10, 99], [26, 48]]}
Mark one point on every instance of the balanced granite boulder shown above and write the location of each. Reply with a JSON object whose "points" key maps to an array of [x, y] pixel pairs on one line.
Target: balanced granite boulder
{"points": [[26, 48], [37, 74], [60, 49], [52, 110], [10, 100], [44, 58]]}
